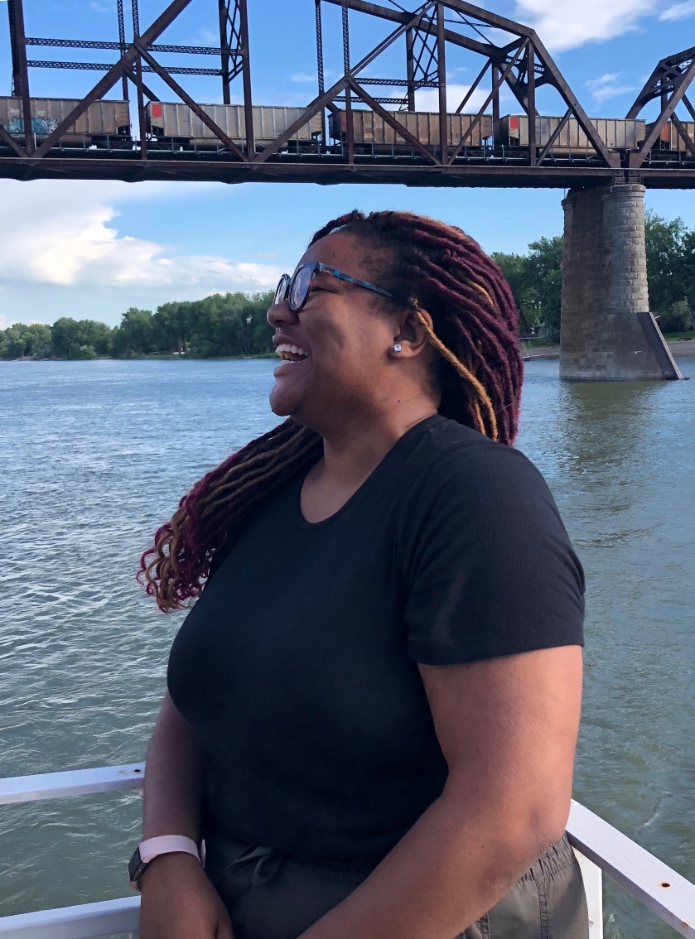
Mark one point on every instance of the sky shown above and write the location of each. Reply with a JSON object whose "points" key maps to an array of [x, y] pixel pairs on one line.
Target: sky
{"points": [[94, 249]]}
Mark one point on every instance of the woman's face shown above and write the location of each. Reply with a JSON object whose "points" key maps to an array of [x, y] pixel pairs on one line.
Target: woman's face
{"points": [[346, 339]]}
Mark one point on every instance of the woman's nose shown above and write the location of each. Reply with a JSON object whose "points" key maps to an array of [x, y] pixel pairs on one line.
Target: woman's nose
{"points": [[279, 314]]}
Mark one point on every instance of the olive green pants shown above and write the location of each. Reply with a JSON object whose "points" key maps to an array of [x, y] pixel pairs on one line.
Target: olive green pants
{"points": [[271, 895]]}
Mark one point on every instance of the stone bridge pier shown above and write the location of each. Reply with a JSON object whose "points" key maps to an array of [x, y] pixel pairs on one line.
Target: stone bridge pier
{"points": [[608, 333]]}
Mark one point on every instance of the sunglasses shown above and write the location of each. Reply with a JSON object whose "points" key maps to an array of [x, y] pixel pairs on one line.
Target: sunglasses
{"points": [[295, 289]]}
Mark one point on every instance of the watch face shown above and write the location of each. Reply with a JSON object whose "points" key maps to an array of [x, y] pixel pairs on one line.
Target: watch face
{"points": [[136, 866]]}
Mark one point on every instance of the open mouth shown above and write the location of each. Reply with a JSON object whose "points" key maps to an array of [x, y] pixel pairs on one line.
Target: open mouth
{"points": [[291, 353]]}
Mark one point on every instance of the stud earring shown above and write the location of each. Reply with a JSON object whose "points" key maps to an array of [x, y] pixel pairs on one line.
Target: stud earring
{"points": [[397, 347]]}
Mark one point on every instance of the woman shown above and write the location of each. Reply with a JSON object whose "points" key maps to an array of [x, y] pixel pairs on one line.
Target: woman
{"points": [[373, 706]]}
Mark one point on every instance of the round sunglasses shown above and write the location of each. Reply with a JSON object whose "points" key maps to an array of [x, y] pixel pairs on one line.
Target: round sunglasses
{"points": [[296, 289]]}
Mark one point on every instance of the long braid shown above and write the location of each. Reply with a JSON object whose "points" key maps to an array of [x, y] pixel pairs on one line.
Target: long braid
{"points": [[428, 266]]}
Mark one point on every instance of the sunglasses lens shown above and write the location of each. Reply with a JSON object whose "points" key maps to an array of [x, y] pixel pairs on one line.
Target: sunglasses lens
{"points": [[281, 289], [299, 288]]}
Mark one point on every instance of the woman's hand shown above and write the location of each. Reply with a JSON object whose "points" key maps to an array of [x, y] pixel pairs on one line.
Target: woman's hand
{"points": [[179, 902]]}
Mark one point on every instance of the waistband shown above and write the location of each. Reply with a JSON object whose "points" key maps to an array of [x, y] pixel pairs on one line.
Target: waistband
{"points": [[252, 865]]}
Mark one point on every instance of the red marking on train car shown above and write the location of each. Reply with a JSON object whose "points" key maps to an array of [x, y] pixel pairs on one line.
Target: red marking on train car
{"points": [[156, 109], [513, 123]]}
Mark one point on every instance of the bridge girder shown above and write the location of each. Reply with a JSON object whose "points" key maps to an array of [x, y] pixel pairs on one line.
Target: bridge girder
{"points": [[668, 82], [516, 59]]}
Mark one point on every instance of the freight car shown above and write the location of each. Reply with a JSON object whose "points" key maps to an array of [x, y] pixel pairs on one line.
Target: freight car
{"points": [[98, 125], [670, 139], [373, 134], [512, 131], [179, 125]]}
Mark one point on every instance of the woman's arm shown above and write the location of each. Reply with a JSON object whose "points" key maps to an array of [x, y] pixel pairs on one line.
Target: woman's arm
{"points": [[178, 900], [174, 779], [508, 729]]}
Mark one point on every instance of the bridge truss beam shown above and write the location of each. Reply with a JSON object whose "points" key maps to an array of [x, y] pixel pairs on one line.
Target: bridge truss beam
{"points": [[668, 83], [510, 55]]}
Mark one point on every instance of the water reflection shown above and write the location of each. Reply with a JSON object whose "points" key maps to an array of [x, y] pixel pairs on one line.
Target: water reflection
{"points": [[92, 475], [620, 458]]}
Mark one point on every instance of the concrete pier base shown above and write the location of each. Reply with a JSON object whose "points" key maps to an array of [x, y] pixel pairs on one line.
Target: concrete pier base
{"points": [[605, 288]]}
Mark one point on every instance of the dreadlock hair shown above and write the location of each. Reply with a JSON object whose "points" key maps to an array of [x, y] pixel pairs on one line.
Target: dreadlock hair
{"points": [[427, 266]]}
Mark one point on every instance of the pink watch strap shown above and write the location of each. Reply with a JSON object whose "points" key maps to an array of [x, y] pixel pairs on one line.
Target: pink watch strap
{"points": [[167, 844]]}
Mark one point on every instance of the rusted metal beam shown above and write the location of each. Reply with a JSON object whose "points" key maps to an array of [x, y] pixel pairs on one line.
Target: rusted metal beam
{"points": [[129, 73], [531, 103], [662, 79], [109, 80], [471, 91], [683, 133], [553, 137], [441, 79], [193, 105], [230, 170], [556, 79], [410, 67], [245, 55], [394, 16], [122, 45], [680, 86], [323, 100], [389, 118], [20, 72], [495, 88], [225, 50], [140, 92], [9, 140], [691, 110]]}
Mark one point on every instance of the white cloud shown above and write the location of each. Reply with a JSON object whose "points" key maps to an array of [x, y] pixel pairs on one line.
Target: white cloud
{"points": [[302, 77], [427, 99], [567, 24], [608, 86], [679, 11], [77, 243]]}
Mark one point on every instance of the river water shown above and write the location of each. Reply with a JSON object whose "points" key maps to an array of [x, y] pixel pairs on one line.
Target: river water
{"points": [[95, 454]]}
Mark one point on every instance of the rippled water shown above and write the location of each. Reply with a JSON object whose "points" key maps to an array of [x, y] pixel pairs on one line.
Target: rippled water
{"points": [[94, 456]]}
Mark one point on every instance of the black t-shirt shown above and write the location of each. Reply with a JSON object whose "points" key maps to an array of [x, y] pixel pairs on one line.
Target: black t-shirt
{"points": [[297, 667]]}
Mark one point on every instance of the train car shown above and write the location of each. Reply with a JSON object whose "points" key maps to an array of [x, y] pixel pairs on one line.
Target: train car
{"points": [[177, 123], [101, 121], [373, 132], [512, 131], [670, 139]]}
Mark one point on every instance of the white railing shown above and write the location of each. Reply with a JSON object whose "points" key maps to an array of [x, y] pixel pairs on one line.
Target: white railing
{"points": [[599, 846]]}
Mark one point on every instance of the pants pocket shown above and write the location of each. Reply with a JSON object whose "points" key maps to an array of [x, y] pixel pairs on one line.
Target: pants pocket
{"points": [[547, 903]]}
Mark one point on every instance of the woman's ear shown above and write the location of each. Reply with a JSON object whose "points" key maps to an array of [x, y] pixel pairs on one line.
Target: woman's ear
{"points": [[411, 335]]}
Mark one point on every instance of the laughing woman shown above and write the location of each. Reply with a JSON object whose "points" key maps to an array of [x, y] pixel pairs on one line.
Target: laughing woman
{"points": [[372, 709]]}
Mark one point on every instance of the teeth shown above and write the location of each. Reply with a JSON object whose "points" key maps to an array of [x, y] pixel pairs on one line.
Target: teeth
{"points": [[285, 350]]}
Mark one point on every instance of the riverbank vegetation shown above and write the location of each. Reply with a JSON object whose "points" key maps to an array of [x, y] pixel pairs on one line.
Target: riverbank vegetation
{"points": [[536, 279], [234, 324], [231, 324]]}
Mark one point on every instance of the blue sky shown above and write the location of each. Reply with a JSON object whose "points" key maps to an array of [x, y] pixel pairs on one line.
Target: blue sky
{"points": [[92, 249]]}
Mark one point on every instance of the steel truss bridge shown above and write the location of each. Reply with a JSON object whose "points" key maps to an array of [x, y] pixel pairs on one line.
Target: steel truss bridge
{"points": [[511, 57]]}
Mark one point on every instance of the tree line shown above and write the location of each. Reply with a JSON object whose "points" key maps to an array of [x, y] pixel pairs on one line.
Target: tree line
{"points": [[234, 324], [231, 324], [536, 279]]}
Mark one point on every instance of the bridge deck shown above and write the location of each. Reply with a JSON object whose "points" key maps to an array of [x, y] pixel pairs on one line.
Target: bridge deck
{"points": [[491, 170]]}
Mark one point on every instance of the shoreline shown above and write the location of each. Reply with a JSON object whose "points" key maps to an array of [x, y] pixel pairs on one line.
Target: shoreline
{"points": [[684, 349]]}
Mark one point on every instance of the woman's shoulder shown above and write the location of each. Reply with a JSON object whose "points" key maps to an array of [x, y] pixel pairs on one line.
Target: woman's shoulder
{"points": [[455, 456]]}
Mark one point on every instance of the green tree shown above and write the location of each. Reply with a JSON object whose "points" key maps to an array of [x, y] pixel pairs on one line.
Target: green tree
{"points": [[25, 339], [536, 282], [666, 261], [135, 335], [79, 339], [517, 271]]}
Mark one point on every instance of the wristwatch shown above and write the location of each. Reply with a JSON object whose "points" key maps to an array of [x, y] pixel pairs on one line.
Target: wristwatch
{"points": [[151, 848]]}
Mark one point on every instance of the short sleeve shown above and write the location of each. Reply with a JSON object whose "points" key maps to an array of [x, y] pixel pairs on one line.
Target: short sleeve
{"points": [[487, 566]]}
